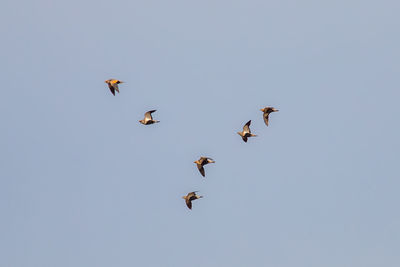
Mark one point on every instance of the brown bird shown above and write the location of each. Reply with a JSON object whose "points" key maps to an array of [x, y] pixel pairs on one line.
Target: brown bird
{"points": [[148, 119], [190, 197], [246, 132], [201, 162], [113, 85], [267, 111]]}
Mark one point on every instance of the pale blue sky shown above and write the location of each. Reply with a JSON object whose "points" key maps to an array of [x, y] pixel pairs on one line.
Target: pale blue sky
{"points": [[83, 183]]}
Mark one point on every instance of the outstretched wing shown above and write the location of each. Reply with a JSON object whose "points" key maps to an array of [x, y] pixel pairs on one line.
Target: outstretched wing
{"points": [[210, 160], [115, 85], [189, 203], [246, 127], [201, 169], [147, 115], [111, 88], [266, 117]]}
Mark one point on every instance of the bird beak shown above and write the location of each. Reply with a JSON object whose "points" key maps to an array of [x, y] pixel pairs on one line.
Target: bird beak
{"points": [[262, 110], [276, 110]]}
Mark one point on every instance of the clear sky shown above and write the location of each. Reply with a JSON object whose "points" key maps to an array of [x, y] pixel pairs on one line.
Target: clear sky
{"points": [[83, 183]]}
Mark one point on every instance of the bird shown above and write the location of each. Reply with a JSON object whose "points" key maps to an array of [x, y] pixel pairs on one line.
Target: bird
{"points": [[266, 111], [190, 197], [148, 119], [113, 85], [201, 162], [246, 132]]}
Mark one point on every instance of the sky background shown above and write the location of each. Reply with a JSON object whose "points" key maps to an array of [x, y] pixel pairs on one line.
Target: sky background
{"points": [[83, 183]]}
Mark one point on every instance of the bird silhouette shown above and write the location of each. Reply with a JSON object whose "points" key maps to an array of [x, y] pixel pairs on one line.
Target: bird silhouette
{"points": [[266, 111], [246, 133], [190, 197], [201, 162], [148, 119], [113, 85]]}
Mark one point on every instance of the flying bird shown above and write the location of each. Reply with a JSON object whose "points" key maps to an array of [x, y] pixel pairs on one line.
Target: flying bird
{"points": [[246, 132], [267, 111], [190, 197], [113, 85], [201, 162], [148, 119]]}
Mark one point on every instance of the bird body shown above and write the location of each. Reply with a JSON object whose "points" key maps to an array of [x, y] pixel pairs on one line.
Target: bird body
{"points": [[246, 133], [266, 111], [201, 162], [190, 197], [113, 85], [148, 118]]}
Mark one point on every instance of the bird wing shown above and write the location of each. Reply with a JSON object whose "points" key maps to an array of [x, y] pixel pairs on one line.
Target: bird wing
{"points": [[246, 127], [147, 115], [266, 117], [111, 88], [201, 169], [208, 160], [188, 203], [191, 194], [115, 85]]}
